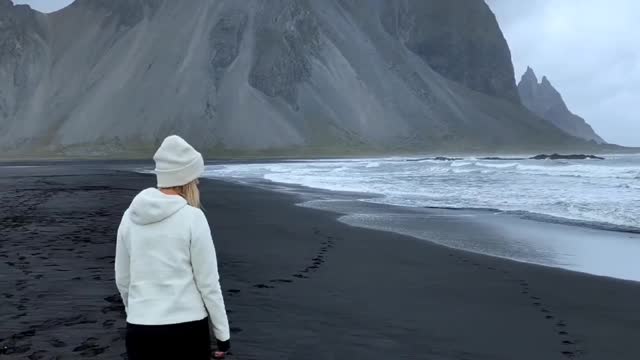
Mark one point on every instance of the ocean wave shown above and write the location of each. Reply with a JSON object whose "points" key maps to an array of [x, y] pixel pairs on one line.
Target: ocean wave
{"points": [[460, 163], [464, 171], [582, 170], [497, 165], [607, 192]]}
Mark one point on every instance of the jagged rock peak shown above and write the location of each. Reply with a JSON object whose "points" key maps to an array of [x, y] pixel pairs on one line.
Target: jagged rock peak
{"points": [[546, 83], [545, 100], [530, 75]]}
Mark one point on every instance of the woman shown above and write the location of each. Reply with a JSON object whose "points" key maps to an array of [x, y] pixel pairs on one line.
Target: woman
{"points": [[166, 267]]}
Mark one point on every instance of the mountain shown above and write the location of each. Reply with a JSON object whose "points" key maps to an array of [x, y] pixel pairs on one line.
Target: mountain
{"points": [[543, 99], [257, 77]]}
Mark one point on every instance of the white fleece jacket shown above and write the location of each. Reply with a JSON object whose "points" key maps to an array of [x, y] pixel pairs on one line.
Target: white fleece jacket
{"points": [[166, 266]]}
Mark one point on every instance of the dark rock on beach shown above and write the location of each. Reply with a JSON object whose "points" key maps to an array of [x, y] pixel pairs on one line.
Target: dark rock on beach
{"points": [[437, 158], [494, 158], [566, 157], [443, 158]]}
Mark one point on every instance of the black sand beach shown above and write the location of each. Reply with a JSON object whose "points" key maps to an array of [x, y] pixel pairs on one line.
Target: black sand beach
{"points": [[298, 283]]}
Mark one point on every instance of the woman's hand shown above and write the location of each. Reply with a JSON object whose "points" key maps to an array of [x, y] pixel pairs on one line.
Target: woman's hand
{"points": [[223, 349]]}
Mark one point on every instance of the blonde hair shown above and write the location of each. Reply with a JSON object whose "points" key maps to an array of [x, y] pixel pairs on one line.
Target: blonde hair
{"points": [[189, 192]]}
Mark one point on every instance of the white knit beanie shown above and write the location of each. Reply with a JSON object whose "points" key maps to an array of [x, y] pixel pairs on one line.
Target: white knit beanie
{"points": [[177, 162]]}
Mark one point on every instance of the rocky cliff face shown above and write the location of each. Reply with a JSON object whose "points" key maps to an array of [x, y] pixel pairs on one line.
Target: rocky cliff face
{"points": [[459, 39], [24, 60], [262, 77], [543, 99]]}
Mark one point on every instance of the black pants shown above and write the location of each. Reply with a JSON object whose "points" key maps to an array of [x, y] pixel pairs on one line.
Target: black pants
{"points": [[188, 340]]}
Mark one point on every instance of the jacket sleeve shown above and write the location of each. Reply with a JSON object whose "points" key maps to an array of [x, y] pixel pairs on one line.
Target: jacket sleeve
{"points": [[205, 271], [122, 267]]}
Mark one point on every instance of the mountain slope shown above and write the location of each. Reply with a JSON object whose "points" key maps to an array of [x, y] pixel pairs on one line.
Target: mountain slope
{"points": [[543, 99], [459, 39], [258, 77]]}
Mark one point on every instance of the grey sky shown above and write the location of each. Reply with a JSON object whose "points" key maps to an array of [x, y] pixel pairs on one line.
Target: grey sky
{"points": [[45, 5], [587, 48]]}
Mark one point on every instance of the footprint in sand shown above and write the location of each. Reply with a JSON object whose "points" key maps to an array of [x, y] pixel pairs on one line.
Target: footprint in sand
{"points": [[89, 348], [263, 286], [113, 299], [57, 343], [23, 335], [113, 308], [41, 354], [560, 324], [18, 316], [108, 324]]}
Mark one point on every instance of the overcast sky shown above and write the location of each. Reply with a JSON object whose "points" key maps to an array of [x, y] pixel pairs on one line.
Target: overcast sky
{"points": [[589, 50], [45, 5]]}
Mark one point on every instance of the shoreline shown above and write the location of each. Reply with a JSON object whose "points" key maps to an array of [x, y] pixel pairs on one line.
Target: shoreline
{"points": [[298, 283], [577, 231], [565, 203], [232, 156]]}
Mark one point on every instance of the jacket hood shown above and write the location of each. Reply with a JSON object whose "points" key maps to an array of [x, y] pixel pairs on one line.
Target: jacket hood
{"points": [[152, 206]]}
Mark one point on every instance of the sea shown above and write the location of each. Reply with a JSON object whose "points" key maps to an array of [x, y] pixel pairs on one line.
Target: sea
{"points": [[590, 209]]}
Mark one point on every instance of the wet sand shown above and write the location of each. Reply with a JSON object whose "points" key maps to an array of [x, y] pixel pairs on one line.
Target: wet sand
{"points": [[298, 283]]}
